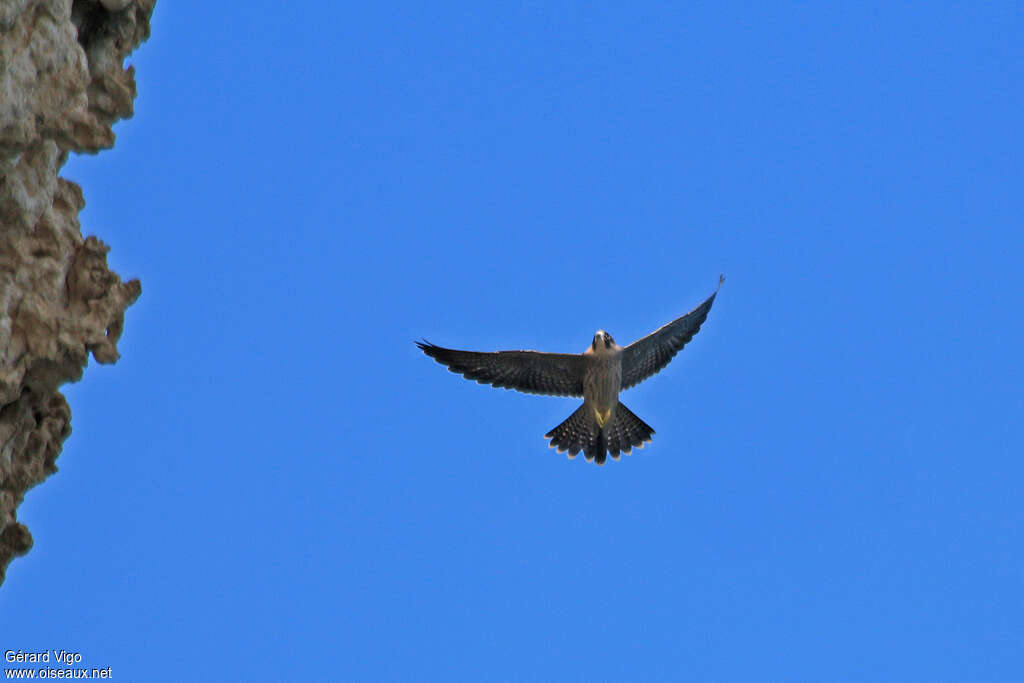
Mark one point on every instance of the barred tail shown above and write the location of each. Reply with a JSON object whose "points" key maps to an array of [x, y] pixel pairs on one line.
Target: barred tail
{"points": [[580, 432], [625, 431]]}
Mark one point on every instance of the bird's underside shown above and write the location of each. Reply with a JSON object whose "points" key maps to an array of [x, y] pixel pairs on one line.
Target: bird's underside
{"points": [[601, 425]]}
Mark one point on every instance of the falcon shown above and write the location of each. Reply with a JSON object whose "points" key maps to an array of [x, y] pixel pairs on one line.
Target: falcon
{"points": [[602, 425]]}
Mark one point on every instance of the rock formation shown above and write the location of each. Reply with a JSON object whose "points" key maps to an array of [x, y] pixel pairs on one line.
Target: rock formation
{"points": [[62, 87]]}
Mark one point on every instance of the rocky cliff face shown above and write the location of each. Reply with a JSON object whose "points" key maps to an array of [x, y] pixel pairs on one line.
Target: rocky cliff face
{"points": [[62, 87]]}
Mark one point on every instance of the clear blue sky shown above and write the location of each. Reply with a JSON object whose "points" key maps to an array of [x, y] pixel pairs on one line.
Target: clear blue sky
{"points": [[275, 484]]}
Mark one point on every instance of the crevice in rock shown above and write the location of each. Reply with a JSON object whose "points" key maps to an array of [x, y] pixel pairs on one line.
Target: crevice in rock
{"points": [[89, 18]]}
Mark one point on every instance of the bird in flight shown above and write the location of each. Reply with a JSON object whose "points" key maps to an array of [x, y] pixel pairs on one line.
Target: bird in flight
{"points": [[602, 425]]}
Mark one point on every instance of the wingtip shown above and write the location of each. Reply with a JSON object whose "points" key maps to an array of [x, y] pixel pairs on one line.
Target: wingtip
{"points": [[721, 279]]}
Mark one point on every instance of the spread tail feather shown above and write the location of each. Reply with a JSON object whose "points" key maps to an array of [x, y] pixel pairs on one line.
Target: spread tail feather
{"points": [[626, 430], [578, 433], [581, 432]]}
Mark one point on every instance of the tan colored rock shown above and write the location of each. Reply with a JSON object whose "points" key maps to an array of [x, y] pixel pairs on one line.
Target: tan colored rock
{"points": [[62, 87]]}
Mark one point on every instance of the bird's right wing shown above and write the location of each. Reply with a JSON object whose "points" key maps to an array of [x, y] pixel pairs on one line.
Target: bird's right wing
{"points": [[555, 374]]}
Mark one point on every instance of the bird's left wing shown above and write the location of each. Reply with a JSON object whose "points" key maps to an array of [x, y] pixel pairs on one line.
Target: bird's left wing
{"points": [[649, 355], [556, 374]]}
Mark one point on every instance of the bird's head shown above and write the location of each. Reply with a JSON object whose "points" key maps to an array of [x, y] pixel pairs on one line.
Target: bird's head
{"points": [[602, 341]]}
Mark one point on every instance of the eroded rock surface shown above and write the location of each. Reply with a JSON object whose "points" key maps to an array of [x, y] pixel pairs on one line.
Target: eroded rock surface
{"points": [[62, 87]]}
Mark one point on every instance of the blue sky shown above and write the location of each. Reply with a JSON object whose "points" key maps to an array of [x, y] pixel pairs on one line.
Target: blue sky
{"points": [[274, 483]]}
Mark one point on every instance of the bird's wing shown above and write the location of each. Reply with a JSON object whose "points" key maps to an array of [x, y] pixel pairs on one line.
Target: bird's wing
{"points": [[649, 355], [557, 374]]}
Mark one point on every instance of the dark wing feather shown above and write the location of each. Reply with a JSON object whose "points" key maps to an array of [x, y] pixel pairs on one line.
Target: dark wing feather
{"points": [[557, 374], [646, 356]]}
